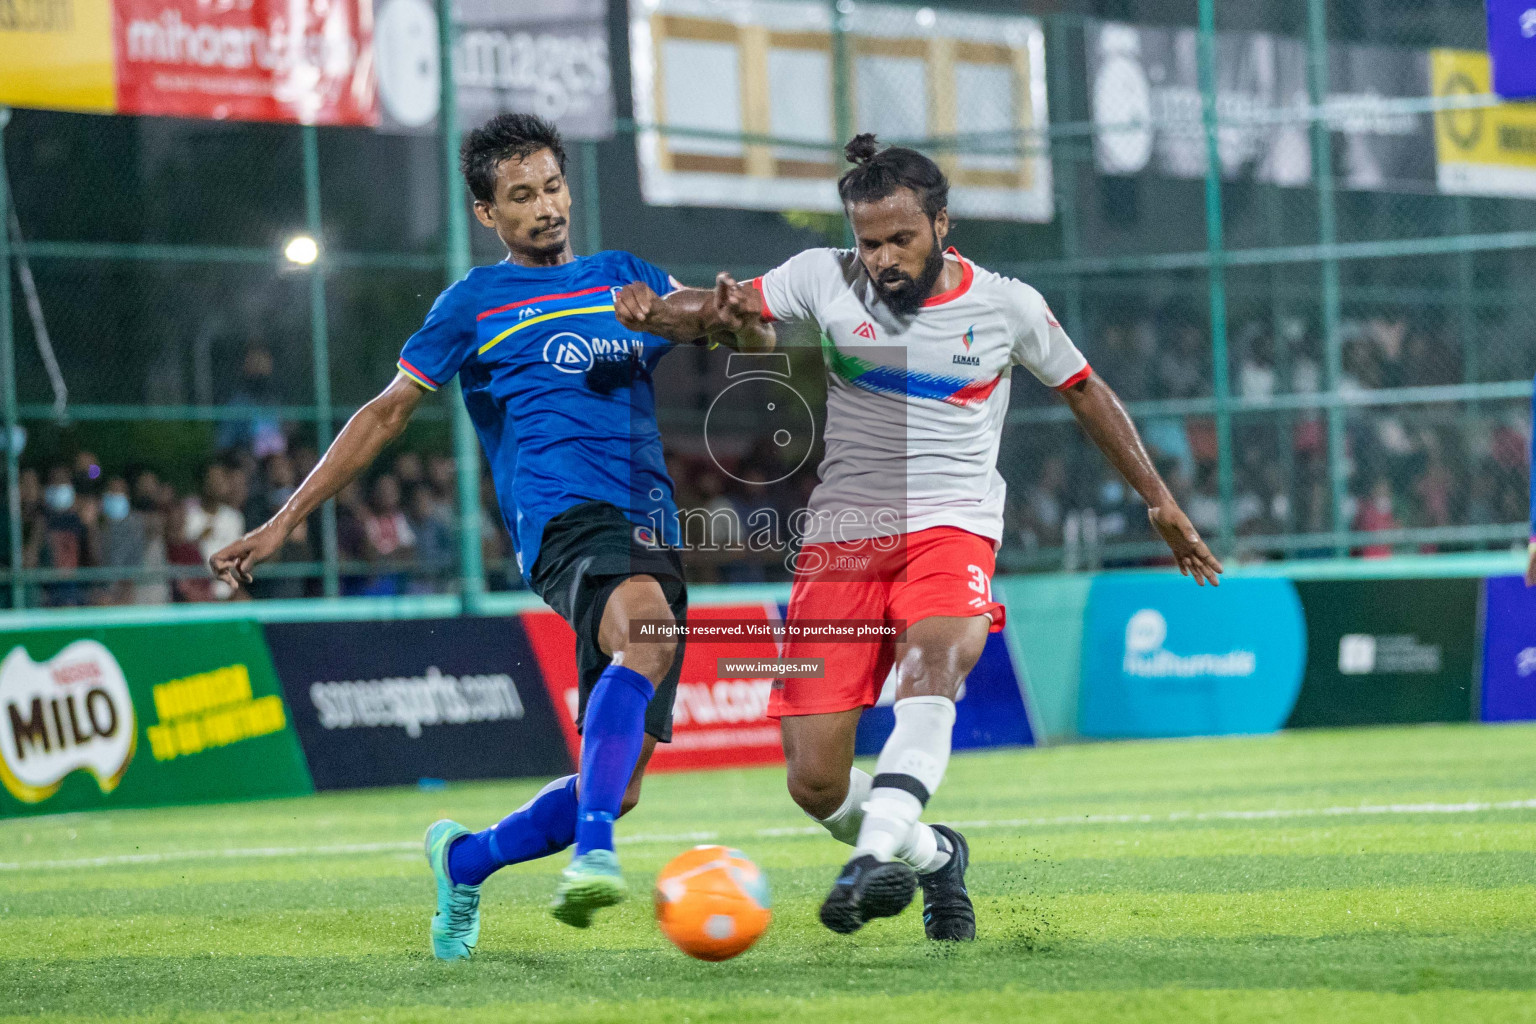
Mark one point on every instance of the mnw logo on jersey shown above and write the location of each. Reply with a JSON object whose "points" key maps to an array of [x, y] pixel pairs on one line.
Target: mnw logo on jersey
{"points": [[528, 311], [865, 330], [572, 354]]}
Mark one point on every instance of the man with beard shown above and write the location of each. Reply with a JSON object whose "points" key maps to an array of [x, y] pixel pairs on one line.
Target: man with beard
{"points": [[919, 344], [561, 396]]}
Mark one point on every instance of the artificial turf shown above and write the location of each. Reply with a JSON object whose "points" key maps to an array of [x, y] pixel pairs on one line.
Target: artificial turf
{"points": [[1368, 875]]}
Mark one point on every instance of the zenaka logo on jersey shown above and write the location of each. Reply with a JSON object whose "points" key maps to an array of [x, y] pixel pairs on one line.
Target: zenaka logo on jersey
{"points": [[72, 711]]}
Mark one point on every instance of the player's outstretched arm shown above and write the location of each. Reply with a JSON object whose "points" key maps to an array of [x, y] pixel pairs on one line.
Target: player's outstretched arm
{"points": [[359, 443], [730, 313], [1104, 419]]}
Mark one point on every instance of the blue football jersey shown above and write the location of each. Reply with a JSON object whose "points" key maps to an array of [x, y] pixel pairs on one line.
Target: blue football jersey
{"points": [[559, 391]]}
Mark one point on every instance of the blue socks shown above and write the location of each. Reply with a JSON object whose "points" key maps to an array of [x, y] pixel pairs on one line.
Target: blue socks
{"points": [[612, 736], [544, 825]]}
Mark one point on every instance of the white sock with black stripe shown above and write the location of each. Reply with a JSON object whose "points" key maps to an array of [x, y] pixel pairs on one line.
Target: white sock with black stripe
{"points": [[845, 822], [911, 766]]}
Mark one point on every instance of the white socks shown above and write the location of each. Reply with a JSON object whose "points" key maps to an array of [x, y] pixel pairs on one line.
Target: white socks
{"points": [[844, 822], [909, 770]]}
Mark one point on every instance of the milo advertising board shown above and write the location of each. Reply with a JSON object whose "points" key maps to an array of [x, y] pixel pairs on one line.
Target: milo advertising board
{"points": [[142, 715]]}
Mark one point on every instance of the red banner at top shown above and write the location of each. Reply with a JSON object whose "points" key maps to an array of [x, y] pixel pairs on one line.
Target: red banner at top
{"points": [[304, 61]]}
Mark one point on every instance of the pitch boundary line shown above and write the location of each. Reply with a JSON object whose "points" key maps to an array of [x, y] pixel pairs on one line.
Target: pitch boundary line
{"points": [[1173, 817]]}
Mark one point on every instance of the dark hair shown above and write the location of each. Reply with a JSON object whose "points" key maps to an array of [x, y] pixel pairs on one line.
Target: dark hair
{"points": [[879, 172], [504, 137]]}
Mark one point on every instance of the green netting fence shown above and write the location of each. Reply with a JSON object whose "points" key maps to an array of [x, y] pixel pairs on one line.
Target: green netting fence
{"points": [[1247, 215]]}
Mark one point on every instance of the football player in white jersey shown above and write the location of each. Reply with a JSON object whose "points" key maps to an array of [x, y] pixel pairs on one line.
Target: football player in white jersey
{"points": [[908, 513]]}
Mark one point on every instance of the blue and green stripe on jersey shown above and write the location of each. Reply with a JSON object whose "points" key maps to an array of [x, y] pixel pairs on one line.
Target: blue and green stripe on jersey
{"points": [[896, 380]]}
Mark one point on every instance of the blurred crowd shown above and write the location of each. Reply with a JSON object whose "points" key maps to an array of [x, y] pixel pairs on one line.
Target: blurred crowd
{"points": [[142, 540], [127, 534], [1418, 466]]}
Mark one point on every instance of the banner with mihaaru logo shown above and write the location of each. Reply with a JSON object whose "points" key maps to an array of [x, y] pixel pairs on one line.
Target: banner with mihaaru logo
{"points": [[303, 61], [142, 715]]}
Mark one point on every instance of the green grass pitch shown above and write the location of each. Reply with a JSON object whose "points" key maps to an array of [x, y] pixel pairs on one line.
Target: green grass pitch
{"points": [[1372, 875]]}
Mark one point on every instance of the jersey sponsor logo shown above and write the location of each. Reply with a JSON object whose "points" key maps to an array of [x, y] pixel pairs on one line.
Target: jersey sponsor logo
{"points": [[528, 311], [70, 712], [568, 352], [865, 330], [966, 360], [645, 536], [969, 336]]}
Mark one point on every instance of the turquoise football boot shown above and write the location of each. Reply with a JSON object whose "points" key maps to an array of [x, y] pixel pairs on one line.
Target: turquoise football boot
{"points": [[591, 882], [456, 925]]}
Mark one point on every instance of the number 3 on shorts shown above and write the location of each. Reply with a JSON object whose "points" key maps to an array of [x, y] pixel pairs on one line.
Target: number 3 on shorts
{"points": [[979, 581]]}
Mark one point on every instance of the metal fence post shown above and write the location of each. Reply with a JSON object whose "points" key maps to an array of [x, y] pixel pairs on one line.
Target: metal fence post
{"points": [[591, 199], [320, 347], [1327, 235], [1215, 245], [1064, 165], [456, 263], [842, 103], [8, 371]]}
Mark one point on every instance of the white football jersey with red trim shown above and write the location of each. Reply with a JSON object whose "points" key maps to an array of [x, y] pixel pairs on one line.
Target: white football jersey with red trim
{"points": [[916, 404]]}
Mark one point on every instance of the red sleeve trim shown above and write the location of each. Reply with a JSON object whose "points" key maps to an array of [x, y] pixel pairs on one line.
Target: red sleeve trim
{"points": [[757, 282], [1076, 378], [420, 377]]}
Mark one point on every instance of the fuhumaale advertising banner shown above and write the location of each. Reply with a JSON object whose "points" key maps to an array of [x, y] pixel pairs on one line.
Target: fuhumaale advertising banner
{"points": [[135, 716], [1164, 657]]}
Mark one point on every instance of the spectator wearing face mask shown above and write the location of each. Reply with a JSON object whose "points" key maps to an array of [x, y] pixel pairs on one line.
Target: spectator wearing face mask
{"points": [[133, 539], [64, 538]]}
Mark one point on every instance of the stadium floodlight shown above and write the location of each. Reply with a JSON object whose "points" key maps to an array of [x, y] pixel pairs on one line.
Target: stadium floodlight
{"points": [[301, 250]]}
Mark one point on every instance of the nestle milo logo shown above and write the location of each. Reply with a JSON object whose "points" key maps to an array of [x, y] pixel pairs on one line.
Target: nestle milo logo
{"points": [[57, 716]]}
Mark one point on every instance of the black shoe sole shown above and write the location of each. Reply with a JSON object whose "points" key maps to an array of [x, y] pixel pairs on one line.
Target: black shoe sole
{"points": [[884, 891]]}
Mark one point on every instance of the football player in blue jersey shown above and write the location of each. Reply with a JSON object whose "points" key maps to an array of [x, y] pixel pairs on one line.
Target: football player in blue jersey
{"points": [[561, 396]]}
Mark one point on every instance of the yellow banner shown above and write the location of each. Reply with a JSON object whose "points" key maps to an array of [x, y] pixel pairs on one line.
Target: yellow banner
{"points": [[1486, 150], [57, 54]]}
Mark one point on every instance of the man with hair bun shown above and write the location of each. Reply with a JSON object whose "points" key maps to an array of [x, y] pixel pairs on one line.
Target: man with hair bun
{"points": [[920, 345]]}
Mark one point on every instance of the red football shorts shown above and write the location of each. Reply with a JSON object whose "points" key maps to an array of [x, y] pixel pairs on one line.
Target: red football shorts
{"points": [[942, 571]]}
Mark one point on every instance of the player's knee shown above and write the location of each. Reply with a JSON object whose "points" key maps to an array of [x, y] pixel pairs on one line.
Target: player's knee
{"points": [[938, 670], [652, 659], [817, 794], [639, 636]]}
